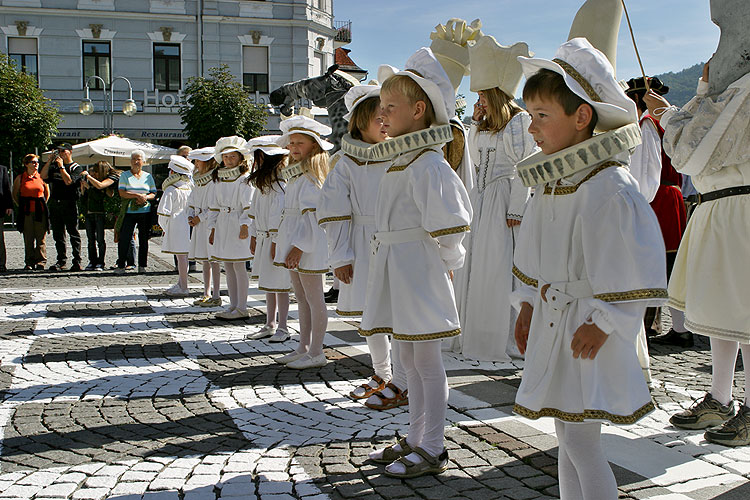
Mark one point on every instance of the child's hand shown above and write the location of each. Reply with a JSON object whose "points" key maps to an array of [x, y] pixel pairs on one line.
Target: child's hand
{"points": [[252, 245], [344, 273], [293, 258], [523, 323], [479, 112], [211, 237], [587, 341], [512, 222], [655, 102], [244, 233], [194, 221], [273, 250]]}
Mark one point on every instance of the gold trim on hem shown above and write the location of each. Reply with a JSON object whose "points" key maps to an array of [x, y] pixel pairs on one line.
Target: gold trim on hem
{"points": [[563, 190], [644, 293], [586, 415], [310, 271], [175, 253], [164, 215], [450, 230], [274, 290], [307, 210], [218, 259], [399, 168], [410, 338], [336, 218], [524, 279], [349, 313]]}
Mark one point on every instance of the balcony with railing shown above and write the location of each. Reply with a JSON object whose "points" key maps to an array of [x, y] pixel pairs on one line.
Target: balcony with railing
{"points": [[343, 32]]}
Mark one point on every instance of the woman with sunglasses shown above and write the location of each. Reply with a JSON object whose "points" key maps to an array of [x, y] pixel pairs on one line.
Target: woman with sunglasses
{"points": [[31, 193]]}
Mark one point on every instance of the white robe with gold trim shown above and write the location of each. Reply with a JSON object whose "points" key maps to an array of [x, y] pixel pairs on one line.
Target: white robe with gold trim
{"points": [[265, 212], [173, 218]]}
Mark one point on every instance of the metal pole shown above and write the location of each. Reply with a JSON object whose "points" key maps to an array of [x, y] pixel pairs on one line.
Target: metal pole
{"points": [[200, 38], [112, 99], [104, 97]]}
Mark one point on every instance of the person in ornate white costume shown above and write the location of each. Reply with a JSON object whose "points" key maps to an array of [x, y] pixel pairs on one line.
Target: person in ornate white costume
{"points": [[499, 139], [265, 213], [301, 244], [197, 215], [709, 139], [422, 213], [173, 219], [591, 259], [228, 221], [347, 213]]}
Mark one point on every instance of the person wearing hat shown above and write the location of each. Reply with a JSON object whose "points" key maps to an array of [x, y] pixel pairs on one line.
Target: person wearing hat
{"points": [[590, 259], [498, 140], [173, 219], [347, 213], [265, 214], [197, 210], [97, 185], [301, 243], [229, 223], [661, 185], [64, 178], [421, 215]]}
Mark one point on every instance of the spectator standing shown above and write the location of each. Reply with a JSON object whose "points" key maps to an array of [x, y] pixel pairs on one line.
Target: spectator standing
{"points": [[97, 187], [6, 208], [31, 194], [137, 188], [64, 177]]}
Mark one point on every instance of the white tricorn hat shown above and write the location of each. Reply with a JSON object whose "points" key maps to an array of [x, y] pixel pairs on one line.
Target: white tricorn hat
{"points": [[229, 145], [357, 95], [426, 71], [588, 73], [307, 126], [181, 165], [450, 46], [202, 154], [598, 21], [494, 65], [266, 143]]}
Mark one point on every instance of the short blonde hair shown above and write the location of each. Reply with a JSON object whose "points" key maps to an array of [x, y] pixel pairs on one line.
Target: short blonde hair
{"points": [[406, 86]]}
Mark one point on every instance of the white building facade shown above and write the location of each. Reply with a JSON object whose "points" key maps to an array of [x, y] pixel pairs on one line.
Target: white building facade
{"points": [[158, 45]]}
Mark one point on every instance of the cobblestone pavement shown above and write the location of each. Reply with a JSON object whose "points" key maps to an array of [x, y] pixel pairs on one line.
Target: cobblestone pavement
{"points": [[112, 390]]}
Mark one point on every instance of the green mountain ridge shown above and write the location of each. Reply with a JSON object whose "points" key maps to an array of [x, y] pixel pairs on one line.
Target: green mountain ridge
{"points": [[682, 84]]}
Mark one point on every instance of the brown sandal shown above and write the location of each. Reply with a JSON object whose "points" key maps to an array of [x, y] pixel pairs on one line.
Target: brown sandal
{"points": [[400, 399], [369, 390], [428, 466], [391, 455]]}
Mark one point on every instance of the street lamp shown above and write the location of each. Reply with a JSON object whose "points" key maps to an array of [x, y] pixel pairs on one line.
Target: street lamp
{"points": [[129, 107]]}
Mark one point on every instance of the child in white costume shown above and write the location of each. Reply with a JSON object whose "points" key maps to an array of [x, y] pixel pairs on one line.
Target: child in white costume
{"points": [[173, 218], [422, 213], [591, 260], [347, 213], [301, 244], [228, 221], [498, 140], [265, 213], [197, 215]]}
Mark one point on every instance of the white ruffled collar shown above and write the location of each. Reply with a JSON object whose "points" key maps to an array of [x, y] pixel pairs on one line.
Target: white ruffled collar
{"points": [[173, 179], [203, 179], [291, 172], [229, 174], [391, 148]]}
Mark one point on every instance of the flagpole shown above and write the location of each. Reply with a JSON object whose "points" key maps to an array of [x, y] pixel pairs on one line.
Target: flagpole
{"points": [[637, 55]]}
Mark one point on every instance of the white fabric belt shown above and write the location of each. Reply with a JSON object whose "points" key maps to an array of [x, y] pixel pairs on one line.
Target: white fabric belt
{"points": [[363, 220], [263, 234], [560, 294], [198, 211], [226, 210], [394, 237]]}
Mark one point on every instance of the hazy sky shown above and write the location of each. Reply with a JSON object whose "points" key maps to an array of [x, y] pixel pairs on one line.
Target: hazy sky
{"points": [[671, 34]]}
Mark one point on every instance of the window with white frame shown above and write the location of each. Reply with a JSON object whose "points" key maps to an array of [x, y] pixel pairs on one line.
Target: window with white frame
{"points": [[320, 63], [167, 71], [255, 68], [23, 54], [97, 61]]}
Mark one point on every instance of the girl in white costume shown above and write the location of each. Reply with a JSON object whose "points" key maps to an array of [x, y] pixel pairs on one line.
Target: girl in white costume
{"points": [[173, 219], [301, 243], [228, 221], [347, 213], [197, 218], [265, 212], [498, 140]]}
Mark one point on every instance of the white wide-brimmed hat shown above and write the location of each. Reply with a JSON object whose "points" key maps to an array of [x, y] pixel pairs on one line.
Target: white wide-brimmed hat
{"points": [[307, 126], [494, 65], [426, 71], [181, 165], [588, 73], [266, 143], [202, 154], [229, 145], [358, 95]]}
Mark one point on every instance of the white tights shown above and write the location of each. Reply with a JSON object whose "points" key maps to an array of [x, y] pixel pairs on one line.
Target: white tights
{"points": [[238, 284], [272, 300], [182, 270], [313, 315], [382, 351], [582, 468], [723, 361], [211, 276]]}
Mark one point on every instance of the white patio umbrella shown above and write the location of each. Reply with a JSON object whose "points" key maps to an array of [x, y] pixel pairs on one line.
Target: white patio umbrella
{"points": [[117, 149]]}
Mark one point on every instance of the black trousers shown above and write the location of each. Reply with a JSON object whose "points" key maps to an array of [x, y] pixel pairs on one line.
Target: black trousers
{"points": [[95, 236], [129, 223], [63, 217]]}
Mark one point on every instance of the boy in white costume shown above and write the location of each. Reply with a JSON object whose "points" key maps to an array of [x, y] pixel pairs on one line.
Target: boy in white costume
{"points": [[498, 140], [173, 219], [591, 259], [422, 213], [347, 213], [708, 140]]}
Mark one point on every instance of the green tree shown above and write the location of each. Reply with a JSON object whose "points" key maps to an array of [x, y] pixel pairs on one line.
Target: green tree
{"points": [[219, 106], [29, 120]]}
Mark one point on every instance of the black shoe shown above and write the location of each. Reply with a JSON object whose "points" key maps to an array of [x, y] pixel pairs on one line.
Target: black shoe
{"points": [[39, 267], [331, 296], [90, 267], [76, 267], [679, 339], [58, 267]]}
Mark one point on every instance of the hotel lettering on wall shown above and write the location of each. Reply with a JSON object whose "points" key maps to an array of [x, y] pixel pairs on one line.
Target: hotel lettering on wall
{"points": [[170, 102]]}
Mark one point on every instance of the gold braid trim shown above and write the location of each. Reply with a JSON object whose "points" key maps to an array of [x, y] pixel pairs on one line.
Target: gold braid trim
{"points": [[586, 415], [562, 190], [644, 293], [450, 230], [307, 210], [411, 338], [310, 271], [219, 259], [276, 290], [337, 218], [525, 279], [349, 313], [404, 167], [587, 87]]}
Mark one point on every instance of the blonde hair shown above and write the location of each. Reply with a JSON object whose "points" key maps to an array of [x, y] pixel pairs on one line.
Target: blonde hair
{"points": [[362, 116], [315, 166], [406, 86], [500, 109]]}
